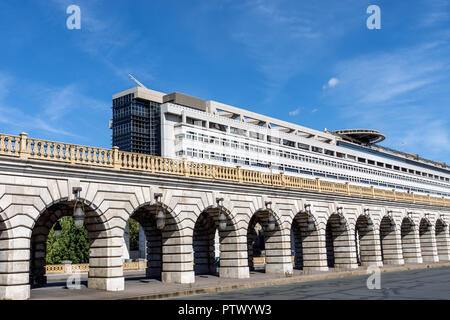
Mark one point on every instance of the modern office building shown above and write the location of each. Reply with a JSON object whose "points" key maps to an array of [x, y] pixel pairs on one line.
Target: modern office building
{"points": [[180, 126], [136, 122]]}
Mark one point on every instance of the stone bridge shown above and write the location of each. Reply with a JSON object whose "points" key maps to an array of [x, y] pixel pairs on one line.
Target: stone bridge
{"points": [[181, 204]]}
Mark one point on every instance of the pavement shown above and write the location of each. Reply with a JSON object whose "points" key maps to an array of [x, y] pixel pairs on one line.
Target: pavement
{"points": [[137, 287]]}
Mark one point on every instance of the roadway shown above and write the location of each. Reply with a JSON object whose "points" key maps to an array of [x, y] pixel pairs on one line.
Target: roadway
{"points": [[412, 284]]}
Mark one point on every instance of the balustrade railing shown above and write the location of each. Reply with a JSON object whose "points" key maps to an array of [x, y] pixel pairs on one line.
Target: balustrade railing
{"points": [[28, 148]]}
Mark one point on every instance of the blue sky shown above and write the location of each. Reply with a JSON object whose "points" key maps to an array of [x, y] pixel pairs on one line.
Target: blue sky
{"points": [[314, 63]]}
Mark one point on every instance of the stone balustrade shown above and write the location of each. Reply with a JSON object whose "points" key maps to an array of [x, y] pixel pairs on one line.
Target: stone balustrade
{"points": [[27, 148]]}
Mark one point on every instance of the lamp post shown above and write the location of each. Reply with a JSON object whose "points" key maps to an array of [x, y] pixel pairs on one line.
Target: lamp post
{"points": [[78, 215], [369, 219], [427, 218], [160, 217], [444, 223], [57, 228], [411, 221], [340, 212], [311, 222], [342, 221], [391, 216], [222, 217], [271, 224]]}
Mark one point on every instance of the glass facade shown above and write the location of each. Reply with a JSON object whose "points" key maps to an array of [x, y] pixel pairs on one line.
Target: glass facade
{"points": [[136, 125]]}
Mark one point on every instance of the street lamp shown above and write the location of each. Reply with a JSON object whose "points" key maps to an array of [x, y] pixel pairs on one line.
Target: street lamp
{"points": [[311, 222], [427, 218], [222, 217], [160, 217], [444, 223], [411, 221], [369, 219], [57, 229], [391, 216], [308, 208], [340, 212], [78, 214], [271, 224]]}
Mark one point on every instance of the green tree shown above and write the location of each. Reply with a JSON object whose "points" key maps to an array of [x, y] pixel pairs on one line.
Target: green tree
{"points": [[72, 244], [134, 235]]}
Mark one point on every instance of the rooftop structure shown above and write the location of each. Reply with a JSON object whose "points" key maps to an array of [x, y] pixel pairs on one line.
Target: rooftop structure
{"points": [[365, 137]]}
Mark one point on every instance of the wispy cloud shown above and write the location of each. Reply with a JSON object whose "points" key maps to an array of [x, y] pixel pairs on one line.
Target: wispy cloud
{"points": [[52, 107], [294, 112], [401, 93], [284, 38], [436, 12], [381, 77], [105, 36]]}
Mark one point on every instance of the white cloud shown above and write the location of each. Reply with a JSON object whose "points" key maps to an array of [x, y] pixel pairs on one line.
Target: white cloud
{"points": [[294, 112], [333, 82], [314, 110]]}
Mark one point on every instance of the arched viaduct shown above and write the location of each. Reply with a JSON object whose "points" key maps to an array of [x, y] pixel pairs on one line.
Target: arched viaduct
{"points": [[333, 225]]}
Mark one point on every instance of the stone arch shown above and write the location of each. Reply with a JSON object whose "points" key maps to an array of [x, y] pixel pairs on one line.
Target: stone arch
{"points": [[427, 241], [208, 239], [391, 249], [306, 242], [410, 241], [442, 240], [105, 263], [367, 242], [276, 242], [165, 247], [339, 243]]}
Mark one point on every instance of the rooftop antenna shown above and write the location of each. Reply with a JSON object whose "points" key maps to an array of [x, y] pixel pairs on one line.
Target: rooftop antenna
{"points": [[138, 83]]}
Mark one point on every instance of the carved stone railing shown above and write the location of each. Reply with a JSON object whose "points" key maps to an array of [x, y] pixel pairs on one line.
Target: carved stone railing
{"points": [[27, 148], [68, 268]]}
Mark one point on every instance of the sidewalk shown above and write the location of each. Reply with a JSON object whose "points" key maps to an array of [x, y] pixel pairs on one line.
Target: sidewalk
{"points": [[139, 288]]}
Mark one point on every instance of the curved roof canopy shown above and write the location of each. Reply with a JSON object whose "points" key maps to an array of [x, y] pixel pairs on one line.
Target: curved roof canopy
{"points": [[361, 136]]}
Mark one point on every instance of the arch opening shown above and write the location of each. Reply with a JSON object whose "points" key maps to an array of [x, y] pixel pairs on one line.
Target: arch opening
{"points": [[263, 240], [427, 241], [339, 247], [442, 240], [206, 243], [365, 244], [152, 236], [214, 244], [410, 247], [304, 241], [73, 246], [388, 241]]}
